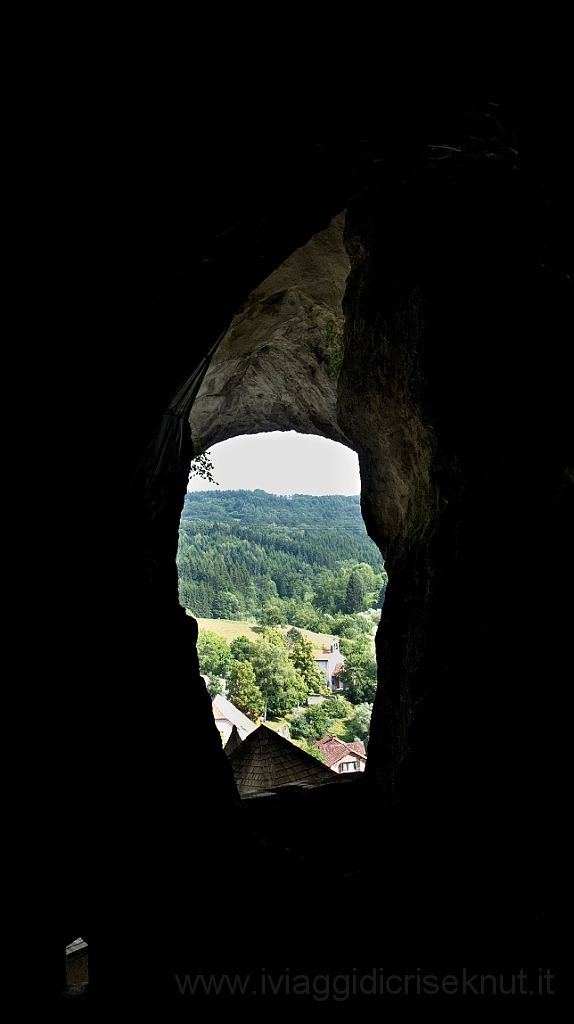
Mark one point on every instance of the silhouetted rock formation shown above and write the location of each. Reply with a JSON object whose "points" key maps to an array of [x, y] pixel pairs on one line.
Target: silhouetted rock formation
{"points": [[454, 391]]}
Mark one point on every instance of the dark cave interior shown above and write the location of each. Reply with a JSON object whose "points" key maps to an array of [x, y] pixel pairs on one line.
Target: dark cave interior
{"points": [[455, 393]]}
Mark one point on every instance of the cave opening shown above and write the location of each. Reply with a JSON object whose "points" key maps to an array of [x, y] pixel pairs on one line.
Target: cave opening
{"points": [[281, 550], [275, 564]]}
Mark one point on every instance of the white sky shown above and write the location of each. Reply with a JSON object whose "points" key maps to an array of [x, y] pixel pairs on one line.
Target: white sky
{"points": [[282, 463]]}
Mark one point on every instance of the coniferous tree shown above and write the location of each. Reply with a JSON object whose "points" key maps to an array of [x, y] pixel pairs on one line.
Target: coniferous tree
{"points": [[354, 596], [302, 658], [293, 636]]}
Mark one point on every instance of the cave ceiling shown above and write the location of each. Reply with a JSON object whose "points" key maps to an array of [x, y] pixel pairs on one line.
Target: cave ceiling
{"points": [[274, 369]]}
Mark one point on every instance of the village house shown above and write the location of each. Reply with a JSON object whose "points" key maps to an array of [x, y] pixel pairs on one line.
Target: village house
{"points": [[343, 757], [226, 716], [331, 661]]}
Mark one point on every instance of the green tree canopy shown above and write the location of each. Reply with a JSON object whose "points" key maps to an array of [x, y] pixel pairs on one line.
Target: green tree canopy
{"points": [[214, 688], [243, 690], [312, 750], [274, 637], [312, 723], [226, 605], [355, 594], [360, 723], [267, 550], [281, 686], [359, 675], [293, 636], [272, 615], [240, 648], [302, 658], [336, 707], [214, 654]]}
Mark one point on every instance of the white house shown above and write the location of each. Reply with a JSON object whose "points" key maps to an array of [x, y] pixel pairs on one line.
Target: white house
{"points": [[226, 716], [330, 661]]}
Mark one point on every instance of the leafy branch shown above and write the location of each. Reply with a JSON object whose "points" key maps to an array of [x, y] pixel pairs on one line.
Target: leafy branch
{"points": [[201, 464]]}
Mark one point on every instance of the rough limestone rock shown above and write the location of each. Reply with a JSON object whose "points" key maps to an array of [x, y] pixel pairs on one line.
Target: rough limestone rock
{"points": [[272, 370]]}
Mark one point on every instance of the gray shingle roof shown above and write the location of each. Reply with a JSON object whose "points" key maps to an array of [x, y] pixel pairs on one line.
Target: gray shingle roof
{"points": [[233, 742], [267, 761]]}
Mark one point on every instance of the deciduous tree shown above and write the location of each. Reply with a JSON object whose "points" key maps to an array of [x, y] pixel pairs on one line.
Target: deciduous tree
{"points": [[243, 690], [360, 723], [214, 654], [312, 723], [281, 686], [240, 648], [272, 615], [359, 675]]}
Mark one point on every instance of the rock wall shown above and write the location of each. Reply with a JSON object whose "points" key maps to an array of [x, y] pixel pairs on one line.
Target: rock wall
{"points": [[450, 395], [272, 369]]}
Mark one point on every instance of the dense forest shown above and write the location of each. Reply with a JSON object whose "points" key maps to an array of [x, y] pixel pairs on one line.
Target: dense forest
{"points": [[305, 560], [338, 512]]}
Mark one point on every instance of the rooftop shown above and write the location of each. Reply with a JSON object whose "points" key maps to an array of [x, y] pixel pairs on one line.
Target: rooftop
{"points": [[333, 749], [224, 710], [266, 761]]}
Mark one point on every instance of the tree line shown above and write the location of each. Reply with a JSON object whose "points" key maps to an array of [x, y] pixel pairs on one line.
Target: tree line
{"points": [[339, 512]]}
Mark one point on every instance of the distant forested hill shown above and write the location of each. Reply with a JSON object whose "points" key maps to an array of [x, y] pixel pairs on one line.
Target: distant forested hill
{"points": [[338, 512], [240, 551]]}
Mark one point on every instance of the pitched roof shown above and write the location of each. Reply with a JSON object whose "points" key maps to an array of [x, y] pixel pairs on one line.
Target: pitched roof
{"points": [[224, 709], [267, 761], [233, 742], [78, 946], [333, 749]]}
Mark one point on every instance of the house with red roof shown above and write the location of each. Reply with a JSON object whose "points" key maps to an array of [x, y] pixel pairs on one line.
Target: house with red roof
{"points": [[343, 757]]}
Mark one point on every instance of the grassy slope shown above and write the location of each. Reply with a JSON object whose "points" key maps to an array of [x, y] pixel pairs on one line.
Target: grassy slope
{"points": [[227, 629], [230, 630]]}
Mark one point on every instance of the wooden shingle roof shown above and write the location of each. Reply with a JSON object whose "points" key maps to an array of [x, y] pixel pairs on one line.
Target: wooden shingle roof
{"points": [[233, 742], [266, 761]]}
